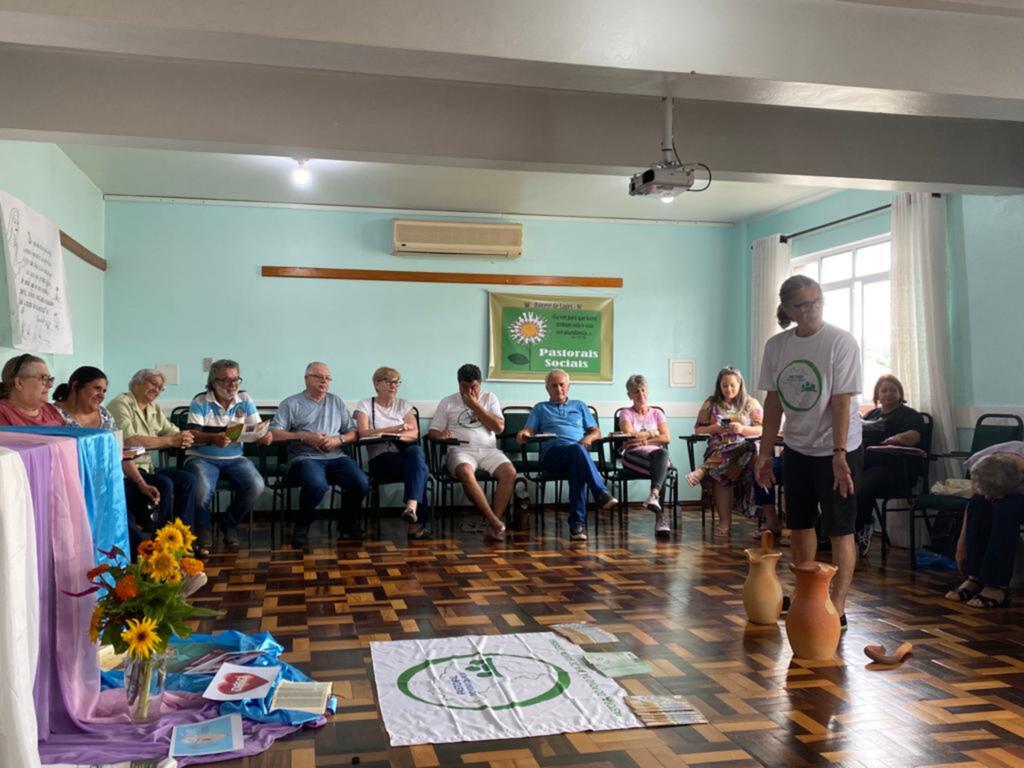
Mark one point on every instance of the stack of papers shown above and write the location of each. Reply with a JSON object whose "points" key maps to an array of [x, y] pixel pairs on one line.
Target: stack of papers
{"points": [[583, 633], [617, 663], [664, 710]]}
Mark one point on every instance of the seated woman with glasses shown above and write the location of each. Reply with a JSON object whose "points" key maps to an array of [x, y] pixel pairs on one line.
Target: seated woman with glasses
{"points": [[24, 394], [80, 402], [397, 461]]}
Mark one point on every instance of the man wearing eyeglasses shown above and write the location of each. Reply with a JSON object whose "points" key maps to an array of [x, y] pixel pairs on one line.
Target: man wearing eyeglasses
{"points": [[213, 454], [316, 425]]}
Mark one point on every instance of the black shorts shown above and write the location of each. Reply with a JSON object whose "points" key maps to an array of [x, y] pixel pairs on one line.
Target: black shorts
{"points": [[808, 483]]}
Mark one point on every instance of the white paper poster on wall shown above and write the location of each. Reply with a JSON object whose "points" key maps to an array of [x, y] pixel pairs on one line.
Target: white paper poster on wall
{"points": [[482, 687], [36, 288]]}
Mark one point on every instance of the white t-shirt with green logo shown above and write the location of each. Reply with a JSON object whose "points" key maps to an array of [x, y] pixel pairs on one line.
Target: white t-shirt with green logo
{"points": [[806, 372]]}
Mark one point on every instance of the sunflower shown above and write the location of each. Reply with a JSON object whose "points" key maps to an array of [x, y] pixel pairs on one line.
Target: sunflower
{"points": [[141, 637], [94, 623], [162, 566], [126, 588], [191, 566], [169, 537], [528, 329], [147, 548], [186, 534]]}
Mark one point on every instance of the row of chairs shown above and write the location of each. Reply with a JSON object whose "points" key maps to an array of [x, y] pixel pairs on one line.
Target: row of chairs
{"points": [[271, 461], [911, 494]]}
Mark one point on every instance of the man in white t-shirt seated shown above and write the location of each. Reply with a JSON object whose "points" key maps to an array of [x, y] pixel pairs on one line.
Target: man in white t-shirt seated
{"points": [[474, 418]]}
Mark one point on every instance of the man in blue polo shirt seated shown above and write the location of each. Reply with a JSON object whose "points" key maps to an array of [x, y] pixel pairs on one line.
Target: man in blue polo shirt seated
{"points": [[214, 455], [316, 425], [575, 429]]}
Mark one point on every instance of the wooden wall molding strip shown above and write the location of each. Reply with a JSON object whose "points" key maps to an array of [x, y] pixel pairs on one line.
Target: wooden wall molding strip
{"points": [[82, 252], [394, 275]]}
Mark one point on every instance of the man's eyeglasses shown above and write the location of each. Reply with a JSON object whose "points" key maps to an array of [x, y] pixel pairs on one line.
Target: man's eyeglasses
{"points": [[804, 306], [229, 382], [318, 377], [47, 380]]}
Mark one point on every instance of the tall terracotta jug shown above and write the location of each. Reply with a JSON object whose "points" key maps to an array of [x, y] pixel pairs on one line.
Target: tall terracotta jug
{"points": [[762, 592], [812, 624]]}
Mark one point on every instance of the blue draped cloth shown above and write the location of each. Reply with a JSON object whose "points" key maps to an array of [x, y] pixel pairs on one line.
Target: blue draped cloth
{"points": [[252, 709], [99, 469]]}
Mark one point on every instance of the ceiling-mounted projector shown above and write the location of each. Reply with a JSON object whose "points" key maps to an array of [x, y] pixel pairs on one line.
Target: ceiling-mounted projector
{"points": [[662, 179], [669, 176]]}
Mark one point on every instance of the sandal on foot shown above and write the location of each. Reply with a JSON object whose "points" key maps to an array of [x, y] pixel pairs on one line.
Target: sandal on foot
{"points": [[494, 534], [722, 532], [965, 592], [983, 601]]}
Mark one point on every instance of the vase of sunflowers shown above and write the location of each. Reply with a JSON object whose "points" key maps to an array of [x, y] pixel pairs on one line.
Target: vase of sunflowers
{"points": [[142, 605]]}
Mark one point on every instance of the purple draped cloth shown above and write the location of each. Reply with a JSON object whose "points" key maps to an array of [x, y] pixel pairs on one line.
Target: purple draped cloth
{"points": [[77, 723]]}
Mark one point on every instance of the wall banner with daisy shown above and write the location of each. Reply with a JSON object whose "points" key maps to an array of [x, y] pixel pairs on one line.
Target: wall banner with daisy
{"points": [[533, 334]]}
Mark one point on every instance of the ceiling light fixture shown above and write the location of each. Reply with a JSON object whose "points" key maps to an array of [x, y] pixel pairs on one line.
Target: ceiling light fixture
{"points": [[301, 175]]}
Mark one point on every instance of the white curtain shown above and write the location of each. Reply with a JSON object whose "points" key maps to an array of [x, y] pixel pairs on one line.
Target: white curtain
{"points": [[19, 620], [920, 306], [770, 267]]}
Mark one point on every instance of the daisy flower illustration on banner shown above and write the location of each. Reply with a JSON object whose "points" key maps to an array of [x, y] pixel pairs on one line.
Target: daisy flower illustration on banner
{"points": [[527, 329]]}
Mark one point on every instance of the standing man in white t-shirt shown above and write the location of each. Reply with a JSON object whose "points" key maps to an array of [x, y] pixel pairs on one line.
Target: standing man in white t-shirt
{"points": [[474, 418], [812, 374]]}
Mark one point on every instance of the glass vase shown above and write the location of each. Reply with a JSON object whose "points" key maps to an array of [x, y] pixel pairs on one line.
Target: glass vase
{"points": [[144, 682]]}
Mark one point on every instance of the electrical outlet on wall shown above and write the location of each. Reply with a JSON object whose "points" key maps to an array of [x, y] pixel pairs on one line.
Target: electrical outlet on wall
{"points": [[207, 362], [682, 372]]}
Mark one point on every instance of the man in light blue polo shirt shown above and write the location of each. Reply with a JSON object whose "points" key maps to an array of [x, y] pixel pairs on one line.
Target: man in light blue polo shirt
{"points": [[316, 425], [214, 455], [575, 429]]}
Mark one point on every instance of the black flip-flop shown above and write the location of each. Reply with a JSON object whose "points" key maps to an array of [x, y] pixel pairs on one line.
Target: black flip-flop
{"points": [[963, 594], [988, 602]]}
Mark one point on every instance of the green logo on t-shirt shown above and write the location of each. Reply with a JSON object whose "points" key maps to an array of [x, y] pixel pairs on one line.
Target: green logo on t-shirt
{"points": [[799, 385]]}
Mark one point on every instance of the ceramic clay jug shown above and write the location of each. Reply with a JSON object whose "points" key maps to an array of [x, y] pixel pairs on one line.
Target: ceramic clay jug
{"points": [[812, 624], [762, 592]]}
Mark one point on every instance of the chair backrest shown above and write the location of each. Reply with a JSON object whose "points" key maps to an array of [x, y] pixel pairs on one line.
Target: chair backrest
{"points": [[993, 428], [179, 416], [618, 413], [926, 433], [515, 417]]}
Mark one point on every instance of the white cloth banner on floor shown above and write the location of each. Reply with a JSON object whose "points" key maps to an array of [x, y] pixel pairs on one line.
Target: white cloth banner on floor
{"points": [[40, 319], [483, 687], [19, 619]]}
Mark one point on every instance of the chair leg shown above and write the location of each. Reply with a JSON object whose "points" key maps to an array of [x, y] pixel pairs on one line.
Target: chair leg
{"points": [[913, 543]]}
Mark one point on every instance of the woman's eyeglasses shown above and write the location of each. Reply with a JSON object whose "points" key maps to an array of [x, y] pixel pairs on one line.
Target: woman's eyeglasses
{"points": [[391, 382], [804, 306], [47, 380]]}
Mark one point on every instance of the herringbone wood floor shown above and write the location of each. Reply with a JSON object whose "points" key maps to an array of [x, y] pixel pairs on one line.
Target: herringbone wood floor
{"points": [[959, 700]]}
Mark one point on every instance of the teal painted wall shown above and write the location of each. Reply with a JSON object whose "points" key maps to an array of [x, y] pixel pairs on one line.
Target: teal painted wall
{"points": [[987, 242], [46, 179], [185, 284]]}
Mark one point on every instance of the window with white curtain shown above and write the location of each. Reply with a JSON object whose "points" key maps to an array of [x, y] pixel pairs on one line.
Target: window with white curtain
{"points": [[855, 285]]}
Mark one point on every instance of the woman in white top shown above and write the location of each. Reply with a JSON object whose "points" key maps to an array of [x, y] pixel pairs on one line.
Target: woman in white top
{"points": [[397, 461]]}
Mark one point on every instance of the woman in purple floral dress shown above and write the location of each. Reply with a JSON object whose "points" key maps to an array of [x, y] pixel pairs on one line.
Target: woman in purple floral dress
{"points": [[728, 418]]}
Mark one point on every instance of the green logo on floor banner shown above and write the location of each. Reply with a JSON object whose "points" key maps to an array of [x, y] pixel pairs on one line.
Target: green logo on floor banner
{"points": [[484, 681]]}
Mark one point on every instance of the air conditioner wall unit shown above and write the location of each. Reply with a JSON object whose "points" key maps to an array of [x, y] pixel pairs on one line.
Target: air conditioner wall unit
{"points": [[458, 238]]}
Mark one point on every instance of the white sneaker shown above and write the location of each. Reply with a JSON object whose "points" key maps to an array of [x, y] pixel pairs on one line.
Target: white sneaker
{"points": [[662, 529], [652, 502]]}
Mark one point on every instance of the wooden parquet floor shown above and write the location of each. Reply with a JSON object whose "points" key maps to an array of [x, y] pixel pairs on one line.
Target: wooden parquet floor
{"points": [[959, 700]]}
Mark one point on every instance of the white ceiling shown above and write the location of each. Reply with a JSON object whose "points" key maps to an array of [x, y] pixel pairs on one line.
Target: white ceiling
{"points": [[257, 178]]}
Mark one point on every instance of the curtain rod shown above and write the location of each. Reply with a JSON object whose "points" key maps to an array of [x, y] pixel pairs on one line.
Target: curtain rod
{"points": [[787, 238]]}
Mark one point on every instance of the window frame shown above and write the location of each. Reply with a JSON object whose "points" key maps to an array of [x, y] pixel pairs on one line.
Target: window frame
{"points": [[856, 297]]}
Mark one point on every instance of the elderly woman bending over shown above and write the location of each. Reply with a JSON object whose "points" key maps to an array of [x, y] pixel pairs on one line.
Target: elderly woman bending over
{"points": [[646, 451], [988, 538]]}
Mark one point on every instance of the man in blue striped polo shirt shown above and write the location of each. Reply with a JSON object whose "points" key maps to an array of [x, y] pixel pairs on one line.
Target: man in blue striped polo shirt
{"points": [[213, 455]]}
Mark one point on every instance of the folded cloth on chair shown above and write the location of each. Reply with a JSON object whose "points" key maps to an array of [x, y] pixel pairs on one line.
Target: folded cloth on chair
{"points": [[953, 487]]}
